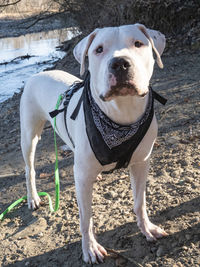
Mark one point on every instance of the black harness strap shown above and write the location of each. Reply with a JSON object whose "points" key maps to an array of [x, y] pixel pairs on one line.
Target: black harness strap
{"points": [[158, 97], [76, 110], [56, 112], [65, 121], [68, 95]]}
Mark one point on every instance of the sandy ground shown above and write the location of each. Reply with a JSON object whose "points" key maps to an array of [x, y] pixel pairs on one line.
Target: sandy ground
{"points": [[40, 238]]}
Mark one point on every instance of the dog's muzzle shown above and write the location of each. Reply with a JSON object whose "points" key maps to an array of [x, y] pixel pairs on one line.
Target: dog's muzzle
{"points": [[120, 78]]}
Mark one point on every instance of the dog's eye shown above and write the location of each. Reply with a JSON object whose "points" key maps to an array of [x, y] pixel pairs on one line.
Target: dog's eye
{"points": [[138, 44], [99, 49]]}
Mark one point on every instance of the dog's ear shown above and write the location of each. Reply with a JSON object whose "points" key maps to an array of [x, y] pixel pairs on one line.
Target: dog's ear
{"points": [[157, 41], [81, 49]]}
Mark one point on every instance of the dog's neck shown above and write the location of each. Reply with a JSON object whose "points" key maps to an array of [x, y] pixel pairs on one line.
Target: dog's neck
{"points": [[122, 109]]}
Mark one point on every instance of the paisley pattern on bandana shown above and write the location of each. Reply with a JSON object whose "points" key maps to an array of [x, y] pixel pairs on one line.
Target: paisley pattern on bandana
{"points": [[113, 133]]}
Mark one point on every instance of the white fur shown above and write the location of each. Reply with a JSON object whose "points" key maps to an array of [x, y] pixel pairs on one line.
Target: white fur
{"points": [[39, 98]]}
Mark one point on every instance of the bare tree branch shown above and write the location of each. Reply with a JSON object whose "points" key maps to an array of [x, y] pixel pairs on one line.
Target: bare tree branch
{"points": [[43, 16], [9, 4]]}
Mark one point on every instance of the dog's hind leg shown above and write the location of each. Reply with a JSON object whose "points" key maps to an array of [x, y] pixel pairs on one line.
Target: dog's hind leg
{"points": [[31, 129]]}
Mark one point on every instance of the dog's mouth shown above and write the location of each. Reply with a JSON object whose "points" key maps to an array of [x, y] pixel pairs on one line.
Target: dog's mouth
{"points": [[123, 89], [121, 85]]}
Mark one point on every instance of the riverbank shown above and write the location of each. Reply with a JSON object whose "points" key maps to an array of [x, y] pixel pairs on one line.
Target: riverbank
{"points": [[30, 49], [15, 26], [39, 238]]}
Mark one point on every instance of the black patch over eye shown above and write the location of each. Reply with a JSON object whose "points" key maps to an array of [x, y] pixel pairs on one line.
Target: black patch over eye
{"points": [[138, 44], [99, 49]]}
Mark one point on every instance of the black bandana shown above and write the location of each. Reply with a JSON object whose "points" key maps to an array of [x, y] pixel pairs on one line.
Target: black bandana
{"points": [[112, 142], [113, 133]]}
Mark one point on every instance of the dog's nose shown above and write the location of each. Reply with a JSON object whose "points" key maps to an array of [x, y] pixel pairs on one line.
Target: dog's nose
{"points": [[119, 64]]}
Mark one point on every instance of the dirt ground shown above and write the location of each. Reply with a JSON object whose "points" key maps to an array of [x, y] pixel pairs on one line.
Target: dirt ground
{"points": [[39, 238]]}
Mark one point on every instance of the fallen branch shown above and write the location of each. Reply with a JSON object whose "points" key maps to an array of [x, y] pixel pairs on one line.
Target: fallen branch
{"points": [[21, 58], [117, 254], [15, 59]]}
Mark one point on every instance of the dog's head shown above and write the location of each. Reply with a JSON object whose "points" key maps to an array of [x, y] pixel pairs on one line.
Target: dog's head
{"points": [[120, 59]]}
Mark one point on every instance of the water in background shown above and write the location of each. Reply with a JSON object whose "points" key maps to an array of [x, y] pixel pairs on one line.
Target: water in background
{"points": [[21, 57]]}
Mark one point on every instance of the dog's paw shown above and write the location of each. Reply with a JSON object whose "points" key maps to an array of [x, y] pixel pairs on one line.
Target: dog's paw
{"points": [[152, 231], [34, 202], [94, 253]]}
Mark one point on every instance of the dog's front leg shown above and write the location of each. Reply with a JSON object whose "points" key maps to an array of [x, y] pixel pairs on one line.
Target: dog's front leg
{"points": [[92, 251], [138, 174]]}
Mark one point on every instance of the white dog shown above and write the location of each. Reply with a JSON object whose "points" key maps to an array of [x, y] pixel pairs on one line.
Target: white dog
{"points": [[120, 64]]}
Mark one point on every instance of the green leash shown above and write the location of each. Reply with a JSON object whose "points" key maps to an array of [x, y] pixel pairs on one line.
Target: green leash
{"points": [[57, 182]]}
